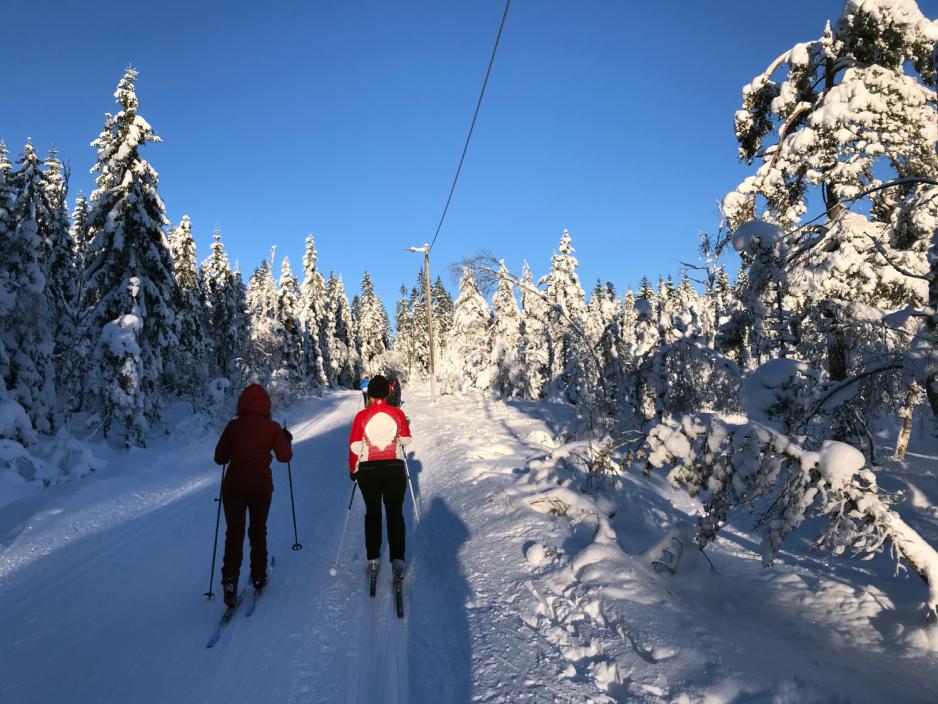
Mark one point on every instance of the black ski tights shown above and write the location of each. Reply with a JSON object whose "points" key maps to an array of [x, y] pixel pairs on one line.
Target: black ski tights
{"points": [[383, 481]]}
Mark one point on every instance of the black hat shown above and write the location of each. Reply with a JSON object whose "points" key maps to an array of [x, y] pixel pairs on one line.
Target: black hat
{"points": [[378, 387]]}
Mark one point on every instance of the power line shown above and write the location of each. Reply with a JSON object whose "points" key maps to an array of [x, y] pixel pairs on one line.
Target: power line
{"points": [[471, 126]]}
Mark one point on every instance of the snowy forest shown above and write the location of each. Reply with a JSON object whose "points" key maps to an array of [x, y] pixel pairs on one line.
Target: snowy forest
{"points": [[802, 326]]}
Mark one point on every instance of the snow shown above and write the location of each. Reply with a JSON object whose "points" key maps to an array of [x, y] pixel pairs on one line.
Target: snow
{"points": [[838, 462], [523, 585], [755, 234], [14, 423]]}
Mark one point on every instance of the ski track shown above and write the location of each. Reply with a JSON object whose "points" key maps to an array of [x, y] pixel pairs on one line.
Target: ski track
{"points": [[504, 601]]}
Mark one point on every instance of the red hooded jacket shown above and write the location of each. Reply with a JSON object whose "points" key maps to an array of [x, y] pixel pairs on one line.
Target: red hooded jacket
{"points": [[248, 440]]}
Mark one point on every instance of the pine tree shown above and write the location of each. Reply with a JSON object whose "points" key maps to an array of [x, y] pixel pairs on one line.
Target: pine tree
{"points": [[356, 313], [129, 275], [26, 326], [536, 347], [264, 348], [8, 262], [344, 358], [227, 322], [645, 291], [191, 315], [466, 359], [312, 315], [403, 322], [61, 273], [507, 366], [443, 311], [81, 240], [565, 321], [837, 117], [289, 373], [373, 325]]}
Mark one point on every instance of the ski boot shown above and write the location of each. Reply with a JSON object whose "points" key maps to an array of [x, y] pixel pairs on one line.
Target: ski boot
{"points": [[373, 566], [230, 594], [397, 569]]}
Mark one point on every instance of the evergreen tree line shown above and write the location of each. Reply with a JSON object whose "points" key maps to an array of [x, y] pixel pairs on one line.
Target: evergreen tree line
{"points": [[640, 355], [107, 311]]}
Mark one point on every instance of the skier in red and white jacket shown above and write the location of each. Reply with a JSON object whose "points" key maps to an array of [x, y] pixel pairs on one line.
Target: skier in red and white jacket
{"points": [[376, 463]]}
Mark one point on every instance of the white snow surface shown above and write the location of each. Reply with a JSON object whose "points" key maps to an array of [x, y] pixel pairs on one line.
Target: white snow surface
{"points": [[521, 587]]}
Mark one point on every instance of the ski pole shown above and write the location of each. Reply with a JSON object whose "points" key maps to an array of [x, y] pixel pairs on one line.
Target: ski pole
{"points": [[410, 485], [209, 594], [333, 571], [296, 540]]}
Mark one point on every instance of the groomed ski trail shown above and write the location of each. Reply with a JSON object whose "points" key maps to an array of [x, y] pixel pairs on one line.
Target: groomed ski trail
{"points": [[102, 585]]}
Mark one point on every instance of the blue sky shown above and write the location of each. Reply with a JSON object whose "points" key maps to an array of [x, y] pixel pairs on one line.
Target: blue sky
{"points": [[346, 119]]}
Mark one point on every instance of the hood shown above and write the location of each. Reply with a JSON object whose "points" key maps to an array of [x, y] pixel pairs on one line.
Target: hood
{"points": [[254, 401]]}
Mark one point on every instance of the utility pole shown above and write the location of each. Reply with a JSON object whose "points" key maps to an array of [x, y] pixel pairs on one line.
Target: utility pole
{"points": [[425, 250]]}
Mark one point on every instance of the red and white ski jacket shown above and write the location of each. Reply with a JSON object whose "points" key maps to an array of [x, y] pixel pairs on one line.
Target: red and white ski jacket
{"points": [[376, 433]]}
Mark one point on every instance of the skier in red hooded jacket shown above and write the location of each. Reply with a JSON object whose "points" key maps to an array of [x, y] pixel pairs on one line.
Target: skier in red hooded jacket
{"points": [[374, 461], [245, 445]]}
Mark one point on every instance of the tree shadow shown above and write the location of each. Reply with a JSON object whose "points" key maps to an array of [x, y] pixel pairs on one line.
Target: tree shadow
{"points": [[439, 645]]}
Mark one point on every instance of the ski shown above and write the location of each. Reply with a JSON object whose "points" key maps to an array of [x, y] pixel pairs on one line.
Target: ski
{"points": [[372, 581], [399, 594], [258, 592], [225, 619]]}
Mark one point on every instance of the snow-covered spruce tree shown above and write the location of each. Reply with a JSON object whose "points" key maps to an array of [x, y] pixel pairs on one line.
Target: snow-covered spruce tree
{"points": [[603, 332], [27, 323], [508, 373], [81, 236], [343, 356], [566, 318], [688, 374], [374, 327], [465, 362], [601, 311], [403, 323], [645, 290], [226, 317], [191, 314], [312, 313], [264, 345], [643, 384], [625, 343], [443, 311], [129, 272], [536, 348], [421, 338], [355, 309], [289, 375], [61, 274]]}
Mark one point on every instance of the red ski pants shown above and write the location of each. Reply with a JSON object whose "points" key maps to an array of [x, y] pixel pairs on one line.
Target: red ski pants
{"points": [[246, 491]]}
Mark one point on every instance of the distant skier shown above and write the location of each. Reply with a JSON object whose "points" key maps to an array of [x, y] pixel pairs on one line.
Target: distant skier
{"points": [[375, 462], [364, 388], [394, 391], [246, 444]]}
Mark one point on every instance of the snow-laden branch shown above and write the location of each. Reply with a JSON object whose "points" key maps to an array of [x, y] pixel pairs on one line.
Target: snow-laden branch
{"points": [[754, 465]]}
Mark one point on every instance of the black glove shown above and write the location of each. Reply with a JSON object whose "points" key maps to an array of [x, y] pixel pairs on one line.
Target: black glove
{"points": [[288, 434], [353, 477]]}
